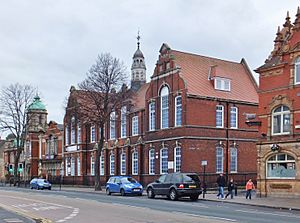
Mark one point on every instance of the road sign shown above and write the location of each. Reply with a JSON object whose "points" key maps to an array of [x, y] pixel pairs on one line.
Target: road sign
{"points": [[204, 163]]}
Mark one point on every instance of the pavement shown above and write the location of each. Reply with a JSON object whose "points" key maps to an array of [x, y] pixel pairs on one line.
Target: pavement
{"points": [[271, 202]]}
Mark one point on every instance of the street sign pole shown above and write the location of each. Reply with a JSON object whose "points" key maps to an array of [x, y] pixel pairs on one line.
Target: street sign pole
{"points": [[204, 164]]}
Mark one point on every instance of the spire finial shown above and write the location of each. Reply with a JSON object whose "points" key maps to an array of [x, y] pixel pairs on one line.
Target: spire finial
{"points": [[297, 21], [138, 39]]}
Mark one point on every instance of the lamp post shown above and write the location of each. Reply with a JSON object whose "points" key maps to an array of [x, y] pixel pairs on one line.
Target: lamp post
{"points": [[204, 164]]}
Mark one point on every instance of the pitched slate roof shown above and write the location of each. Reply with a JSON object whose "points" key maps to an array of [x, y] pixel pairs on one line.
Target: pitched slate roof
{"points": [[139, 97], [195, 71]]}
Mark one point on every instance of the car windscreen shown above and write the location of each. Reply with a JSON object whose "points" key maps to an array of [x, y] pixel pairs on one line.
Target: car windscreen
{"points": [[128, 180], [191, 178], [42, 181]]}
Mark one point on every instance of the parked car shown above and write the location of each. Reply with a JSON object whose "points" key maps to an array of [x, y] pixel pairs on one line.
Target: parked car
{"points": [[37, 183], [176, 185], [124, 185]]}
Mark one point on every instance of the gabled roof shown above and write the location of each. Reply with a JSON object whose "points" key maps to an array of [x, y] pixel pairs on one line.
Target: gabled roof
{"points": [[195, 70]]}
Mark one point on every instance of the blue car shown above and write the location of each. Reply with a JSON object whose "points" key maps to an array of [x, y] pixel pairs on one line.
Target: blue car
{"points": [[40, 184], [124, 185]]}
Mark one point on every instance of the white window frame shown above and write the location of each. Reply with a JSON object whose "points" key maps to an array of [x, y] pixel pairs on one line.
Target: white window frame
{"points": [[233, 160], [112, 164], [152, 116], [78, 166], [78, 133], [67, 135], [135, 163], [219, 158], [72, 166], [281, 114], [164, 96], [112, 126], [92, 166], [164, 166], [123, 163], [178, 108], [177, 159], [73, 131], [221, 110], [234, 117], [151, 161], [297, 68], [222, 84], [93, 134], [135, 125], [123, 122], [276, 161], [102, 166]]}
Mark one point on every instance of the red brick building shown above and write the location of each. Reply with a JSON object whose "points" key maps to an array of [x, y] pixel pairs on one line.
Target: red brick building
{"points": [[192, 110], [279, 113]]}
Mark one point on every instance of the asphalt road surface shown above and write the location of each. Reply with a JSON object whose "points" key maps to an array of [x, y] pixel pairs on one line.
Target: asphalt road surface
{"points": [[68, 206]]}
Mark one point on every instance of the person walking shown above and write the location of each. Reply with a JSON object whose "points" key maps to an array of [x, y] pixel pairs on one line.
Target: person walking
{"points": [[230, 189], [249, 187], [221, 185]]}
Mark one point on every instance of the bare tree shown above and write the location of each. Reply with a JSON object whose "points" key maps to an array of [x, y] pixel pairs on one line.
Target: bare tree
{"points": [[14, 101], [104, 90]]}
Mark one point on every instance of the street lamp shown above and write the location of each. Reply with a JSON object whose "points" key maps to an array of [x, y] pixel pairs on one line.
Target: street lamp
{"points": [[204, 164]]}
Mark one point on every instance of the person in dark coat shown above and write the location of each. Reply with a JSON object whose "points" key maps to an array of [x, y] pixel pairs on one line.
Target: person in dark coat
{"points": [[230, 189], [221, 185]]}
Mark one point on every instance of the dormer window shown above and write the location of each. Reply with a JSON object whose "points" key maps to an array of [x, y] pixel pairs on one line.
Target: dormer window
{"points": [[297, 71], [222, 84]]}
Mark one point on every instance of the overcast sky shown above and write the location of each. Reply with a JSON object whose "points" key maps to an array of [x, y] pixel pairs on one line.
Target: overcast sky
{"points": [[50, 44]]}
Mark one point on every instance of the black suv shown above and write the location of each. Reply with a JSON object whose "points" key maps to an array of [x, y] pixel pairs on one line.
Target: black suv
{"points": [[176, 185]]}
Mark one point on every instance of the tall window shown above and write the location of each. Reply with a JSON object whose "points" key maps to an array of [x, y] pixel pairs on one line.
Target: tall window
{"points": [[135, 163], [220, 116], [164, 161], [135, 125], [92, 166], [297, 71], [152, 116], [67, 134], [73, 129], [112, 164], [233, 160], [102, 164], [72, 166], [78, 133], [219, 160], [123, 122], [93, 134], [177, 159], [178, 111], [234, 117], [281, 166], [123, 163], [112, 125], [281, 120], [151, 161], [78, 166], [164, 98]]}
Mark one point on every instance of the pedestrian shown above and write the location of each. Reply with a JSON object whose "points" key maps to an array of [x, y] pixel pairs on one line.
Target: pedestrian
{"points": [[230, 189], [249, 187], [221, 185]]}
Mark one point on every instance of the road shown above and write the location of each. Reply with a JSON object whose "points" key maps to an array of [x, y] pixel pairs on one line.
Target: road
{"points": [[68, 206]]}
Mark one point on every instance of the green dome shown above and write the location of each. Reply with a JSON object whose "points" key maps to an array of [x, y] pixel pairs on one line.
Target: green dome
{"points": [[37, 104]]}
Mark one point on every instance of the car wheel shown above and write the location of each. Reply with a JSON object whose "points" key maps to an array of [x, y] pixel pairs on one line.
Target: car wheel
{"points": [[150, 193], [49, 188], [173, 195], [108, 191], [122, 192], [194, 197]]}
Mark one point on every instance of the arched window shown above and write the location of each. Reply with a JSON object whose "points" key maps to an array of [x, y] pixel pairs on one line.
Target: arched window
{"points": [[123, 163], [177, 159], [73, 128], [178, 111], [112, 125], [78, 133], [281, 120], [163, 161], [112, 164], [219, 159], [135, 163], [123, 122], [281, 166], [102, 164], [297, 71], [164, 114], [151, 161], [152, 116]]}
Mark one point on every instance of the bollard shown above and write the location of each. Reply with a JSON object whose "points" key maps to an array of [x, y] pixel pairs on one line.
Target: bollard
{"points": [[235, 190]]}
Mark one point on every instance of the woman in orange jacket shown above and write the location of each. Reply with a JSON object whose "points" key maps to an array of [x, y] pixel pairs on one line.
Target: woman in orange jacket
{"points": [[249, 187]]}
